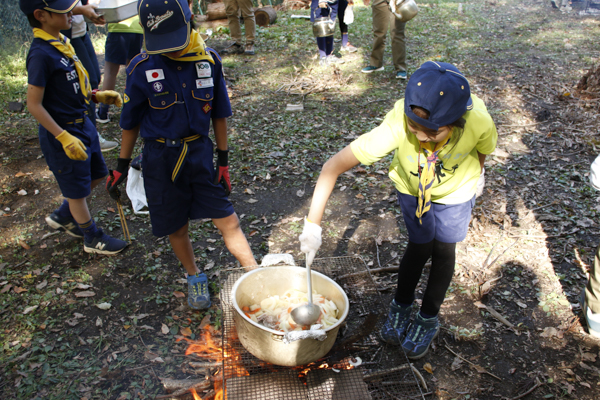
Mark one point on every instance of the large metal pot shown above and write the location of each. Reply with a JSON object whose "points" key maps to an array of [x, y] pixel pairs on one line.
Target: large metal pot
{"points": [[267, 344], [404, 10]]}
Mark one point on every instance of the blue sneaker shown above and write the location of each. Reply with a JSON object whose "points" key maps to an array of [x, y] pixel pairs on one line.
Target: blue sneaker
{"points": [[419, 336], [67, 224], [401, 75], [102, 114], [395, 327], [592, 318], [198, 295], [104, 244], [368, 69]]}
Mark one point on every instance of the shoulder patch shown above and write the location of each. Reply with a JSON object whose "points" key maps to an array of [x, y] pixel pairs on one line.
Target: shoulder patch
{"points": [[214, 53], [135, 61]]}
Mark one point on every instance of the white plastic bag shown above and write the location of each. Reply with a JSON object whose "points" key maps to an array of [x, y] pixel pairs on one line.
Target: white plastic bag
{"points": [[595, 174], [136, 192], [349, 15]]}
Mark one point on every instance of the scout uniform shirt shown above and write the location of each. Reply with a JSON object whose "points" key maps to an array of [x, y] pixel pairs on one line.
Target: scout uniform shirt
{"points": [[173, 99], [458, 168]]}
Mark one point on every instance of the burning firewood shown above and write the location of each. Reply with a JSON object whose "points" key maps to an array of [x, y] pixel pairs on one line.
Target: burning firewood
{"points": [[182, 386], [210, 364]]}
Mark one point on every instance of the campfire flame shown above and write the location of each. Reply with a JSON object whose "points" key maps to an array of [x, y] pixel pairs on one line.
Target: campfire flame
{"points": [[195, 394]]}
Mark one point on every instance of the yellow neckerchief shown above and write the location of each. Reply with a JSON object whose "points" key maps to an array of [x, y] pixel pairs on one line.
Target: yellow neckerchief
{"points": [[427, 175], [63, 45], [195, 50]]}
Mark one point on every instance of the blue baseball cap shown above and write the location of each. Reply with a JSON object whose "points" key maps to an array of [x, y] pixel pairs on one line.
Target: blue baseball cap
{"points": [[441, 89], [55, 6], [166, 25]]}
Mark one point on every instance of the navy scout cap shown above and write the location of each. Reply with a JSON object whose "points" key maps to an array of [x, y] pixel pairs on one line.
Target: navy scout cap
{"points": [[55, 6], [441, 89], [166, 25]]}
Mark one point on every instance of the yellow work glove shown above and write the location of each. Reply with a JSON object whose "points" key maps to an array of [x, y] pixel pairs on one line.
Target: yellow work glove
{"points": [[74, 148], [108, 97]]}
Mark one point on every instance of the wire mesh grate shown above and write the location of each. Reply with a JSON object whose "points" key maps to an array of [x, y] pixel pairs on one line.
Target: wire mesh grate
{"points": [[385, 372]]}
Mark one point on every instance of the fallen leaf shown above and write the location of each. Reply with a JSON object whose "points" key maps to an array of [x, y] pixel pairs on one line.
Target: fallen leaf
{"points": [[428, 368], [82, 286], [6, 288], [147, 327], [300, 193], [158, 360], [185, 331], [41, 285], [251, 201], [205, 321], [22, 192], [24, 244], [456, 364], [164, 329], [29, 309], [589, 357], [43, 246], [78, 315], [549, 332], [20, 174], [521, 304], [178, 294], [19, 290], [104, 306], [139, 317], [112, 210], [98, 321], [209, 266], [86, 293]]}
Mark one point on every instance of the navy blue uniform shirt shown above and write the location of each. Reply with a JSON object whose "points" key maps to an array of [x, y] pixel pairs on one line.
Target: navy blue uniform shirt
{"points": [[49, 68], [173, 99]]}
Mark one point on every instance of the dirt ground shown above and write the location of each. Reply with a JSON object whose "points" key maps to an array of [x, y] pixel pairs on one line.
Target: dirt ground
{"points": [[511, 324]]}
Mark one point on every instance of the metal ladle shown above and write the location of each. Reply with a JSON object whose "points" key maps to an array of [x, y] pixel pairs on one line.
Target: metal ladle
{"points": [[307, 314]]}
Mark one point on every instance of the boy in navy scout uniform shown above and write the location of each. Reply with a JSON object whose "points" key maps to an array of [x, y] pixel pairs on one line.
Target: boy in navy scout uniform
{"points": [[173, 91], [57, 96]]}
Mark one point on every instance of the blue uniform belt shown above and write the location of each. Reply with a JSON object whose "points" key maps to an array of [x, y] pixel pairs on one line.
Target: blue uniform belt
{"points": [[78, 120], [183, 153]]}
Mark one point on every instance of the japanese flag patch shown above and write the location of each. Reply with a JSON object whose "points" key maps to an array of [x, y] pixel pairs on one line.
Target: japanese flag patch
{"points": [[203, 69], [155, 75], [204, 83]]}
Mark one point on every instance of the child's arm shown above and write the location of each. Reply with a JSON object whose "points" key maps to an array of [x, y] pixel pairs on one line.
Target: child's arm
{"points": [[73, 147], [89, 11], [220, 128], [128, 139]]}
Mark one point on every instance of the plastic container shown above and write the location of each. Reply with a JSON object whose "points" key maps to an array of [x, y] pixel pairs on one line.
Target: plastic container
{"points": [[115, 10]]}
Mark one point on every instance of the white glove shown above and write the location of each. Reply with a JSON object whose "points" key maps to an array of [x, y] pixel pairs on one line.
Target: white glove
{"points": [[595, 174], [480, 184], [310, 240]]}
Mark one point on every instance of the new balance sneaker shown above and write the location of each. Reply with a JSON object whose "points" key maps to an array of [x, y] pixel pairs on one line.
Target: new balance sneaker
{"points": [[368, 69], [104, 244], [592, 319], [419, 336], [198, 295], [323, 62], [332, 59], [401, 75], [395, 327], [249, 49], [102, 114], [67, 225], [348, 49], [106, 145]]}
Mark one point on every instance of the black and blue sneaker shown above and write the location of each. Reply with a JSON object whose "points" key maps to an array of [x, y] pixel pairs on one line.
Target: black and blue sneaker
{"points": [[419, 336], [65, 224], [104, 244], [395, 327], [198, 295]]}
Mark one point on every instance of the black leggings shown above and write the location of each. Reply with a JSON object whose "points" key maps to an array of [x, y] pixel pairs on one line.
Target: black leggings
{"points": [[341, 11], [443, 256]]}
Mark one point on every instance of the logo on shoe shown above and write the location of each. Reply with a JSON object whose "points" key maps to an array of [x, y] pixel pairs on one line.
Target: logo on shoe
{"points": [[100, 246], [70, 226]]}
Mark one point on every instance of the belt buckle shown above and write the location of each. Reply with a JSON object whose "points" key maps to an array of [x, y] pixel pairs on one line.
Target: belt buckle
{"points": [[173, 142]]}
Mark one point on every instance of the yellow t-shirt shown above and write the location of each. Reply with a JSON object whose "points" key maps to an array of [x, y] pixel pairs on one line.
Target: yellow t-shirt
{"points": [[457, 171], [130, 25]]}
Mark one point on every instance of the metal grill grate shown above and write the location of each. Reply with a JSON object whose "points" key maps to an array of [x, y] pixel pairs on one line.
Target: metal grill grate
{"points": [[384, 374]]}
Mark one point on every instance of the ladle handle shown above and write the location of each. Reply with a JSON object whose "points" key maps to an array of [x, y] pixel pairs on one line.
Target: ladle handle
{"points": [[309, 282]]}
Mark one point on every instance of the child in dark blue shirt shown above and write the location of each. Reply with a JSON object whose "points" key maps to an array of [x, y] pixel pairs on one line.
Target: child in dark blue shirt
{"points": [[174, 89], [57, 96]]}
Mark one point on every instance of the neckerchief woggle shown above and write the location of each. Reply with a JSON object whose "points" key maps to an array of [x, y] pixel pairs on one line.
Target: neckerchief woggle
{"points": [[427, 175], [195, 50], [63, 44]]}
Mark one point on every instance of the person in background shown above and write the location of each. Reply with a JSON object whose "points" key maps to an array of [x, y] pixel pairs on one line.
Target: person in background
{"points": [[346, 46], [327, 9], [58, 91], [232, 9], [440, 134], [123, 42], [590, 296], [174, 90], [382, 20], [80, 40]]}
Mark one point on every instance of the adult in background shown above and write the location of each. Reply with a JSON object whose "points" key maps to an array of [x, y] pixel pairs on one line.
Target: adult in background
{"points": [[440, 134], [123, 42], [382, 20], [232, 8], [346, 46], [84, 49]]}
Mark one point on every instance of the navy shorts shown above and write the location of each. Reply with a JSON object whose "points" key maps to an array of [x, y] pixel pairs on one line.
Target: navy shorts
{"points": [[74, 177], [121, 47], [192, 196], [446, 223]]}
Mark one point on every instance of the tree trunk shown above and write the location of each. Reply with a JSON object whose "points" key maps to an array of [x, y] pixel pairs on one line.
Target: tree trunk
{"points": [[265, 16], [216, 11]]}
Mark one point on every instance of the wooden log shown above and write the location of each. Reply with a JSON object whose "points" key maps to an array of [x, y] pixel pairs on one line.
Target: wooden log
{"points": [[216, 11], [265, 16]]}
